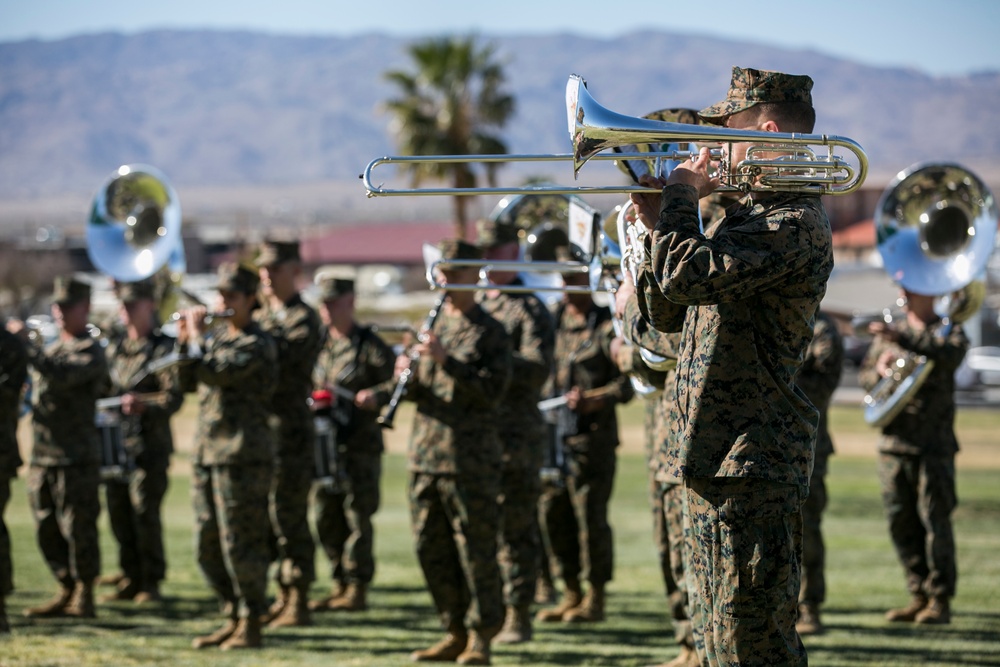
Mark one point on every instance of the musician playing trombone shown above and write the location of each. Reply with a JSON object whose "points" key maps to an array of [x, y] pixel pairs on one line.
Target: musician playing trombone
{"points": [[460, 371], [355, 367], [744, 296], [147, 402]]}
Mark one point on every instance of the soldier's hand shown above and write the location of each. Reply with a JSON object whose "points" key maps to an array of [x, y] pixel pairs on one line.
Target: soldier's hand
{"points": [[573, 397], [18, 328], [625, 292], [365, 400], [402, 363], [884, 330], [647, 204], [430, 345], [132, 405], [885, 363]]}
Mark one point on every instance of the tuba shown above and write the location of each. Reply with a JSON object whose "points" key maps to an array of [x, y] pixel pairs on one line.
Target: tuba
{"points": [[935, 225]]}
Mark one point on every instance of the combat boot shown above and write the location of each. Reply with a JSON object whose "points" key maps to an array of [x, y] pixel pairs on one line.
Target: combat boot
{"points": [[516, 627], [295, 613], [908, 613], [591, 610], [323, 604], [353, 599], [572, 597], [149, 593], [688, 657], [216, 638], [446, 650], [938, 612], [544, 592], [81, 605], [247, 635], [54, 607], [111, 579], [809, 622], [280, 600], [477, 649], [125, 590]]}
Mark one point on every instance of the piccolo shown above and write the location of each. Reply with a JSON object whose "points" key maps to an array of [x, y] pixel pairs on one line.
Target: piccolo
{"points": [[214, 315], [558, 401]]}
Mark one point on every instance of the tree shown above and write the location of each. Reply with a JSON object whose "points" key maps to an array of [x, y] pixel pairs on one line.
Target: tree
{"points": [[449, 106]]}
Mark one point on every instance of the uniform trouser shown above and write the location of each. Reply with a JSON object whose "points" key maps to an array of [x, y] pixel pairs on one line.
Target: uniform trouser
{"points": [[344, 519], [232, 533], [519, 547], [742, 547], [918, 493], [455, 525], [672, 502], [575, 528], [813, 589], [293, 547], [6, 565], [134, 512], [65, 503]]}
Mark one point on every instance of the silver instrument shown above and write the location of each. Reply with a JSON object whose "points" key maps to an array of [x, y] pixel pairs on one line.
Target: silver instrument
{"points": [[936, 226], [115, 464]]}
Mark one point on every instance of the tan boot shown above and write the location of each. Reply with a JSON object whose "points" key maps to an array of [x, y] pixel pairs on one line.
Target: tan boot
{"points": [[216, 638], [323, 604], [54, 607], [149, 594], [446, 650], [280, 600], [688, 658], [247, 635], [353, 599], [111, 579], [544, 592], [516, 627], [938, 612], [908, 613], [477, 649], [809, 622], [572, 597], [295, 613], [591, 610], [125, 590], [81, 605]]}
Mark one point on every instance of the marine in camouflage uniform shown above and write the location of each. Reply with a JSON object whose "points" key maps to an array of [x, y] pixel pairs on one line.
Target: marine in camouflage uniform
{"points": [[455, 464], [13, 373], [575, 528], [818, 377], [134, 500], [356, 359], [916, 464], [744, 296], [234, 455], [298, 334], [523, 431], [68, 375]]}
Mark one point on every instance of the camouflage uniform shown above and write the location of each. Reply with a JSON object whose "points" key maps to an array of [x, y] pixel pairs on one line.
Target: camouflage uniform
{"points": [[13, 373], [575, 522], [68, 376], [298, 334], [818, 377], [746, 296], [917, 461], [344, 514], [523, 433], [233, 465], [455, 463]]}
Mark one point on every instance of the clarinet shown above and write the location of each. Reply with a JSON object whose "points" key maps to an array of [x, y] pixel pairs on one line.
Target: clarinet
{"points": [[385, 421]]}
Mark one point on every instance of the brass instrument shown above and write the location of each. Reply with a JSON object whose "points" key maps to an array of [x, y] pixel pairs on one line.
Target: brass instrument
{"points": [[936, 226], [775, 162]]}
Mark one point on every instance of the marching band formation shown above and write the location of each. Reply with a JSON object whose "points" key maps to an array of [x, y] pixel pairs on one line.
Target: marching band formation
{"points": [[512, 452]]}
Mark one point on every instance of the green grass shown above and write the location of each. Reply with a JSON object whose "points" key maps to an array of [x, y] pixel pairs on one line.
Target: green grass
{"points": [[864, 580]]}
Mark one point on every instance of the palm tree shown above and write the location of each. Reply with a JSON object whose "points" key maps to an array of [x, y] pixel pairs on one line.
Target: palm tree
{"points": [[449, 106]]}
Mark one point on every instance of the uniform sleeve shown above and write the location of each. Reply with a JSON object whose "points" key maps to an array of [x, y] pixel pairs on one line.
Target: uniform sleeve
{"points": [[231, 363], [381, 361], [532, 361], [485, 382], [945, 350], [74, 367], [13, 368]]}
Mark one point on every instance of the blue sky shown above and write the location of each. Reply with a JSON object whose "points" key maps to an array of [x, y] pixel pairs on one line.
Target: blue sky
{"points": [[940, 37]]}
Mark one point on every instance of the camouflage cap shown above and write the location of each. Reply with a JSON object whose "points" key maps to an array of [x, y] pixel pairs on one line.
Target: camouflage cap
{"points": [[273, 253], [135, 291], [237, 277], [67, 289], [458, 249], [334, 283], [755, 86], [491, 233]]}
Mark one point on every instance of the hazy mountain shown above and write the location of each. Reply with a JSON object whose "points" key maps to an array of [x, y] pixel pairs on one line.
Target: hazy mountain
{"points": [[231, 111]]}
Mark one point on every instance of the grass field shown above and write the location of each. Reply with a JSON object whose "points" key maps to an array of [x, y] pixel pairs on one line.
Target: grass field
{"points": [[864, 580]]}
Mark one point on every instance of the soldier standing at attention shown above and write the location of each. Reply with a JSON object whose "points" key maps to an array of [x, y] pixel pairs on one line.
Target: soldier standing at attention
{"points": [[235, 371], [68, 375], [575, 523], [522, 429], [354, 359], [298, 334], [460, 372], [744, 295], [134, 502], [13, 373]]}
